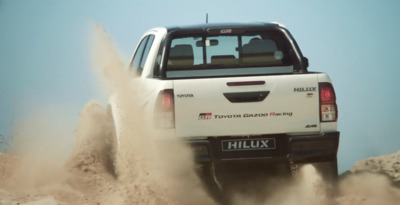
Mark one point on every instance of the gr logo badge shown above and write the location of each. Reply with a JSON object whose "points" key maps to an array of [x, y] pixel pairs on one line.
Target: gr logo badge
{"points": [[205, 116]]}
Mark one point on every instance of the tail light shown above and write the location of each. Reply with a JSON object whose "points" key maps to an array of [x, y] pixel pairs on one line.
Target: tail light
{"points": [[164, 116], [328, 107]]}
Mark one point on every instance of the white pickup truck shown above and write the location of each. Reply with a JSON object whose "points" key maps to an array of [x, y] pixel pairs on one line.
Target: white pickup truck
{"points": [[241, 96]]}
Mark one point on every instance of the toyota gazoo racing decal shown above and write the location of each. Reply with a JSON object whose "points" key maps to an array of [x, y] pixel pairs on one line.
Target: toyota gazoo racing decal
{"points": [[210, 116]]}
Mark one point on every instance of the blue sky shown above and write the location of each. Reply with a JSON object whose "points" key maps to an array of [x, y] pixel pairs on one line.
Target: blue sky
{"points": [[45, 58]]}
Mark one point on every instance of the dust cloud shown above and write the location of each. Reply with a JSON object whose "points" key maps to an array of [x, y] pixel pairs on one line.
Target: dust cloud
{"points": [[308, 188], [129, 164], [147, 171]]}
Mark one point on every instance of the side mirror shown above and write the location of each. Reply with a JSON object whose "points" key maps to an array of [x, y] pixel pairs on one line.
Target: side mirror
{"points": [[305, 63]]}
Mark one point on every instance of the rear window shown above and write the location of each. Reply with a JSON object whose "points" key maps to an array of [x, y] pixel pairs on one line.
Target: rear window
{"points": [[253, 53]]}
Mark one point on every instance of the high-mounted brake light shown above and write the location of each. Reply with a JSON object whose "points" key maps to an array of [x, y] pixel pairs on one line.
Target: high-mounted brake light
{"points": [[164, 116], [244, 83], [328, 107]]}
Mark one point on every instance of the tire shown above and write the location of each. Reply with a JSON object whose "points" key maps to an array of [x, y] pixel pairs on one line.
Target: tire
{"points": [[328, 169], [329, 173]]}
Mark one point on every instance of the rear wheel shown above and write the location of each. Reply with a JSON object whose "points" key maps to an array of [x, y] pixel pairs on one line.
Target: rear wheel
{"points": [[255, 180], [327, 171]]}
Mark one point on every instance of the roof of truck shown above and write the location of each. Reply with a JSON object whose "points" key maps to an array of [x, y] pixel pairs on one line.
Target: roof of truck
{"points": [[222, 25]]}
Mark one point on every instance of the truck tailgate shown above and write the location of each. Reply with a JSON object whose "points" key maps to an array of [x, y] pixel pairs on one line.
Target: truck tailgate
{"points": [[238, 106]]}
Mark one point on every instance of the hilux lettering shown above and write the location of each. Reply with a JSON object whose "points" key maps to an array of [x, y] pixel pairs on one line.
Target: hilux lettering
{"points": [[248, 144], [305, 89]]}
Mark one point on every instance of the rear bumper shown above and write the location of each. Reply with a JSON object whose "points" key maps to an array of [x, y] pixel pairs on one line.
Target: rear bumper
{"points": [[222, 170], [293, 148]]}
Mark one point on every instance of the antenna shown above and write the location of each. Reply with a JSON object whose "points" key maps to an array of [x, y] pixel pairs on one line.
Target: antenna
{"points": [[206, 17]]}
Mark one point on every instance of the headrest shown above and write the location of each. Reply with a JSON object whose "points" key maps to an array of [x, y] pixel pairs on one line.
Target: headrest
{"points": [[181, 55]]}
